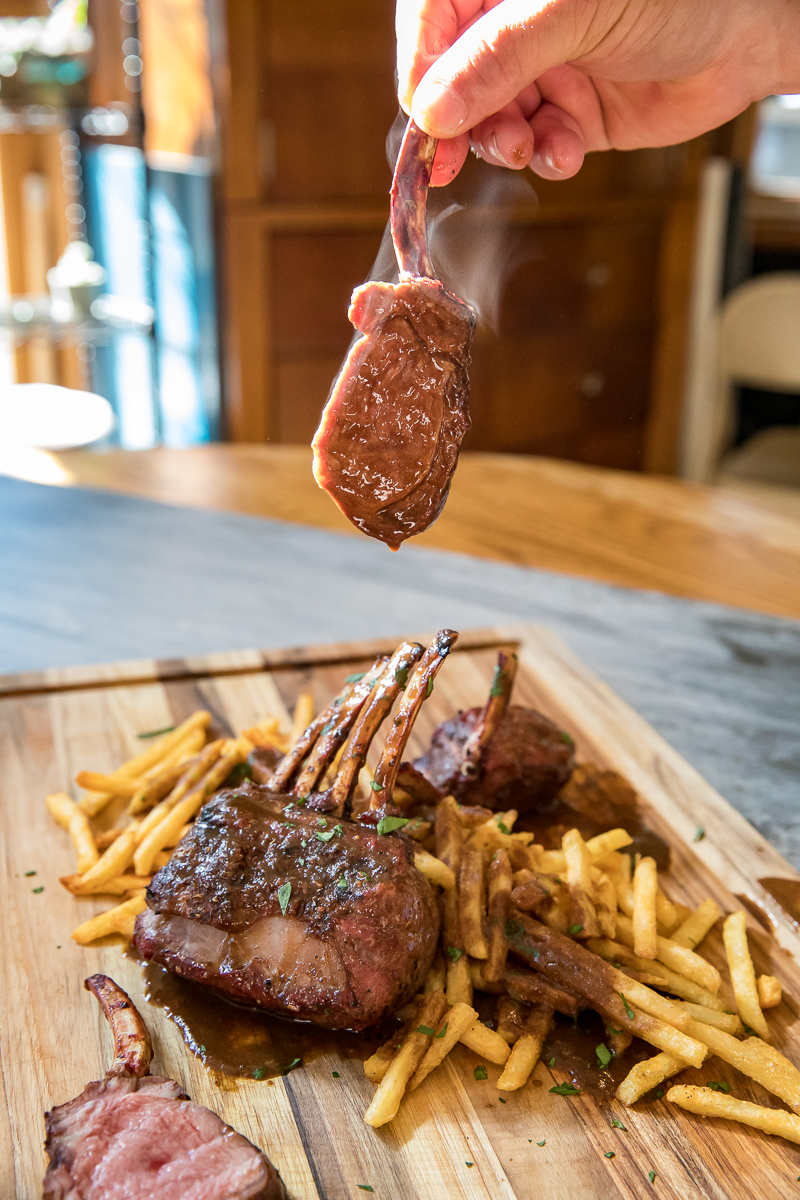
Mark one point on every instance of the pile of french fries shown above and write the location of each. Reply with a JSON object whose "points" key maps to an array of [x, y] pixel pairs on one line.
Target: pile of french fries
{"points": [[164, 788], [590, 927]]}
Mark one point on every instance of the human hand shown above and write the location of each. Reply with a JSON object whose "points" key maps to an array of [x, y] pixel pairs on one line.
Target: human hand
{"points": [[540, 83]]}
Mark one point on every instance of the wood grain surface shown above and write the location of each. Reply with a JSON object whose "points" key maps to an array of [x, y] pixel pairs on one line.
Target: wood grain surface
{"points": [[640, 531], [309, 1122]]}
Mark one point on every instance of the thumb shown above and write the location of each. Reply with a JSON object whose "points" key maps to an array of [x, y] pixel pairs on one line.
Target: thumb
{"points": [[499, 55]]}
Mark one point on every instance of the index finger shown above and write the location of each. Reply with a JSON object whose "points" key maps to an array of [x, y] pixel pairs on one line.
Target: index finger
{"points": [[425, 29]]}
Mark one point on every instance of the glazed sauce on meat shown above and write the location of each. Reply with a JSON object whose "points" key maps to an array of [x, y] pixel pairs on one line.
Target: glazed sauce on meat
{"points": [[246, 1042], [572, 1044]]}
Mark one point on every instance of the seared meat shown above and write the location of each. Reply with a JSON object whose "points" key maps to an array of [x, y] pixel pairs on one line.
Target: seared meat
{"points": [[262, 763], [134, 1136], [310, 916], [499, 756], [388, 441], [300, 914]]}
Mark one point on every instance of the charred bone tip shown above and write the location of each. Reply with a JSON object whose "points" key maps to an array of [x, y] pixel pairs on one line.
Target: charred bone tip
{"points": [[133, 1050]]}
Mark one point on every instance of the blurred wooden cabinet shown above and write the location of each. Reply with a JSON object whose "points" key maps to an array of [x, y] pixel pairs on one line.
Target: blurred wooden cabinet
{"points": [[585, 360]]}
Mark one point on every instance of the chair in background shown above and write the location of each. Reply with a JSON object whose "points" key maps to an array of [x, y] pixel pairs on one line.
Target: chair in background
{"points": [[753, 341]]}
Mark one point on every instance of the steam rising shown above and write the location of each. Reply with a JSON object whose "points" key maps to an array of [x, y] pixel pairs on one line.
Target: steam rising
{"points": [[472, 234]]}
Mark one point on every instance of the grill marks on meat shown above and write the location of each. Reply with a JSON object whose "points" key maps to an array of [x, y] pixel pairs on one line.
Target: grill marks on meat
{"points": [[388, 441], [134, 1136], [308, 916], [499, 756], [359, 930]]}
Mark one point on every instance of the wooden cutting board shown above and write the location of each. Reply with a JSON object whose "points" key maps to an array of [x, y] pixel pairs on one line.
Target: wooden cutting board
{"points": [[452, 1137]]}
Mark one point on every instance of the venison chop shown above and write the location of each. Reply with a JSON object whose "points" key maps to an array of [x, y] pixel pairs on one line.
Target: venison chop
{"points": [[499, 756], [279, 899], [388, 440], [136, 1136]]}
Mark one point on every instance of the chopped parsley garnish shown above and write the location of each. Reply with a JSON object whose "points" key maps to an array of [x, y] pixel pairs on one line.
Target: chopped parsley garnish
{"points": [[156, 732], [501, 825], [284, 893], [615, 1124], [37, 890], [514, 929], [566, 739], [294, 1063], [552, 1062], [566, 1089], [401, 676], [576, 929], [339, 830], [659, 1093], [718, 1085], [355, 678], [442, 1031], [301, 801], [651, 1175], [502, 1100], [749, 1030], [324, 837], [453, 953], [341, 883], [609, 1154], [614, 1032], [259, 1073], [426, 1029], [604, 1055], [376, 787], [481, 1073], [428, 690], [466, 1164], [629, 1013], [366, 1187], [542, 1142], [699, 834], [389, 824], [29, 873], [497, 688], [301, 862]]}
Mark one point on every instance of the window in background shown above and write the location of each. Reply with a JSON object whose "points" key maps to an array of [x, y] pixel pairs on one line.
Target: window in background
{"points": [[775, 169]]}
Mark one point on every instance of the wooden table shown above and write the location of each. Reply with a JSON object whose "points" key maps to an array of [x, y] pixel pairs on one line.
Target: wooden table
{"points": [[640, 531]]}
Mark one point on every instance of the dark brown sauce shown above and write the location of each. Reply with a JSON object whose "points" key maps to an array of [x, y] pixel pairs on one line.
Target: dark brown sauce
{"points": [[232, 1040], [760, 914], [551, 823], [787, 893], [573, 1044]]}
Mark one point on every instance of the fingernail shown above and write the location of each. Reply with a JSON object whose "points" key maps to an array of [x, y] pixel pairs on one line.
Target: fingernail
{"points": [[444, 110]]}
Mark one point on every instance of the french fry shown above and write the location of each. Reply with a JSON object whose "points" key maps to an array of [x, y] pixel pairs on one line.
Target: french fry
{"points": [[646, 1075], [434, 870], [185, 809], [187, 782], [116, 920], [645, 889], [152, 790], [770, 992], [707, 1103], [551, 862], [436, 979], [70, 817], [623, 956], [459, 984], [728, 1022], [525, 1052], [578, 862], [376, 1066], [668, 915], [159, 748], [583, 921], [498, 905], [455, 1022], [743, 976], [449, 834], [485, 1042], [754, 1058], [95, 781], [303, 715], [93, 803], [605, 905], [103, 840], [114, 861], [692, 931], [606, 843], [677, 958], [471, 894], [392, 1087], [117, 886]]}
